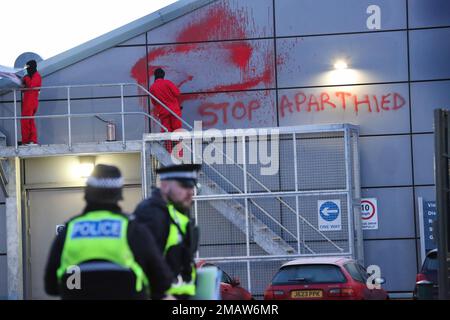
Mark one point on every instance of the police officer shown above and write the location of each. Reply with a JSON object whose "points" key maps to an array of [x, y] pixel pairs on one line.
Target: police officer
{"points": [[166, 214], [116, 256]]}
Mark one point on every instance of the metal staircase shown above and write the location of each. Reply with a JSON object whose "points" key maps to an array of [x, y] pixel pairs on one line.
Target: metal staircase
{"points": [[233, 211]]}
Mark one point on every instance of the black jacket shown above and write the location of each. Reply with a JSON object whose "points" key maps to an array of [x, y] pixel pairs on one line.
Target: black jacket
{"points": [[153, 213], [141, 243]]}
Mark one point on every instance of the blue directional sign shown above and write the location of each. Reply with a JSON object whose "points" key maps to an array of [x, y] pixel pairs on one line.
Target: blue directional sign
{"points": [[329, 215], [329, 211]]}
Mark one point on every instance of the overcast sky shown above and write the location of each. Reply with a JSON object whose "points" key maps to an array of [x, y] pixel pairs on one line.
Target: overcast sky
{"points": [[49, 27]]}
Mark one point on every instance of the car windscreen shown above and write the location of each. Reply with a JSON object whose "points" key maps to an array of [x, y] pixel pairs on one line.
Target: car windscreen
{"points": [[431, 263], [355, 272], [311, 273]]}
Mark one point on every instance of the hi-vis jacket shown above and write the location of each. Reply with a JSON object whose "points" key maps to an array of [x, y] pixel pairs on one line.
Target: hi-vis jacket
{"points": [[174, 235], [105, 234]]}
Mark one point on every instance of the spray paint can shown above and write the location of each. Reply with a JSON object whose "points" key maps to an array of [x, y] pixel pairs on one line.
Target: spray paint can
{"points": [[110, 132]]}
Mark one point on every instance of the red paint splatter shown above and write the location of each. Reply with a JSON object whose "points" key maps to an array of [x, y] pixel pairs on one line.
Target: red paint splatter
{"points": [[139, 72], [266, 78], [219, 22], [241, 54]]}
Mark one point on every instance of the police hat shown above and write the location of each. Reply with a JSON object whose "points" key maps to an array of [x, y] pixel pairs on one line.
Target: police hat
{"points": [[186, 174], [104, 185]]}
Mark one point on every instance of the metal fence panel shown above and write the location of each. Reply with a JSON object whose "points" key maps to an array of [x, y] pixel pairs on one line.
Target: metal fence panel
{"points": [[268, 197]]}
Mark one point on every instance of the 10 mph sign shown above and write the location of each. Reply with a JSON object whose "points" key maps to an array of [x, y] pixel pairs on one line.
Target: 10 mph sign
{"points": [[369, 214]]}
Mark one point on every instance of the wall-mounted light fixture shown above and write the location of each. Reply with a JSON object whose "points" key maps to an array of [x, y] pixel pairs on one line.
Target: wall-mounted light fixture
{"points": [[340, 65], [341, 73], [86, 166]]}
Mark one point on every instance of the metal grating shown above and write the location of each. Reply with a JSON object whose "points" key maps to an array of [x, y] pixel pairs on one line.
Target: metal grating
{"points": [[250, 222]]}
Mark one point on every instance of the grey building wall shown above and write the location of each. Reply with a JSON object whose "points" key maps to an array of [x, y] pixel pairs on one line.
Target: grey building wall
{"points": [[270, 63], [396, 78]]}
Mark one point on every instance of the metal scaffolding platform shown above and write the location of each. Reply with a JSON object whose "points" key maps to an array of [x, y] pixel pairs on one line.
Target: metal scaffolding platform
{"points": [[75, 149]]}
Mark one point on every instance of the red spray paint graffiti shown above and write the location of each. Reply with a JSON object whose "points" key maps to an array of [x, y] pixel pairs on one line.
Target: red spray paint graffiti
{"points": [[238, 56], [212, 112], [254, 66], [226, 113], [325, 101]]}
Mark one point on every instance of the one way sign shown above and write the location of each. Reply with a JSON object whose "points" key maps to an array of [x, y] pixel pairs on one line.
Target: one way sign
{"points": [[329, 212]]}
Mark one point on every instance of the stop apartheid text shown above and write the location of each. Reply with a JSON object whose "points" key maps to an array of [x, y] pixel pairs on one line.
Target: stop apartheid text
{"points": [[303, 102]]}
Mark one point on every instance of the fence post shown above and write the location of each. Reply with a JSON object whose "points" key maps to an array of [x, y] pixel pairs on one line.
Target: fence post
{"points": [[69, 120], [247, 218], [348, 187], [356, 182], [297, 218], [122, 108], [15, 122]]}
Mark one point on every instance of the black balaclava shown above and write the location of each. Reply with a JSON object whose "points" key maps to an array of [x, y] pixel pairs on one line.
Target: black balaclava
{"points": [[31, 67], [159, 74]]}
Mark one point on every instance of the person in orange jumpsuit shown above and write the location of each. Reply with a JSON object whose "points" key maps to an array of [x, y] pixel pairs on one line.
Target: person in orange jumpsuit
{"points": [[30, 102], [169, 94]]}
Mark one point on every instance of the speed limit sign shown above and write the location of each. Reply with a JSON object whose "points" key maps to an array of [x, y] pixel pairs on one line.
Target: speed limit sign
{"points": [[369, 213]]}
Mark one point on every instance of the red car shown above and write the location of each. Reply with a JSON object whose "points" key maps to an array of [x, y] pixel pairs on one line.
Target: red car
{"points": [[429, 274], [230, 288], [330, 278]]}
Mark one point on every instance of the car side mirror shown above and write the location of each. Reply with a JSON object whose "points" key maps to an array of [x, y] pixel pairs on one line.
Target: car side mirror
{"points": [[235, 282], [380, 281]]}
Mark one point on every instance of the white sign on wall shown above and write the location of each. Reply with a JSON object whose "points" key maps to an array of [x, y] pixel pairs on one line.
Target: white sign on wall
{"points": [[329, 212], [369, 213], [60, 228]]}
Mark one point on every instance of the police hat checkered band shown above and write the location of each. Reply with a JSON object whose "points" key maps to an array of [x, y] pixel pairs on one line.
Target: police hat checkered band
{"points": [[108, 183], [178, 175]]}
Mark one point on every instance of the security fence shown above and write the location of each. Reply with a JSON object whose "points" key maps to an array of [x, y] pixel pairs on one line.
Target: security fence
{"points": [[268, 195]]}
